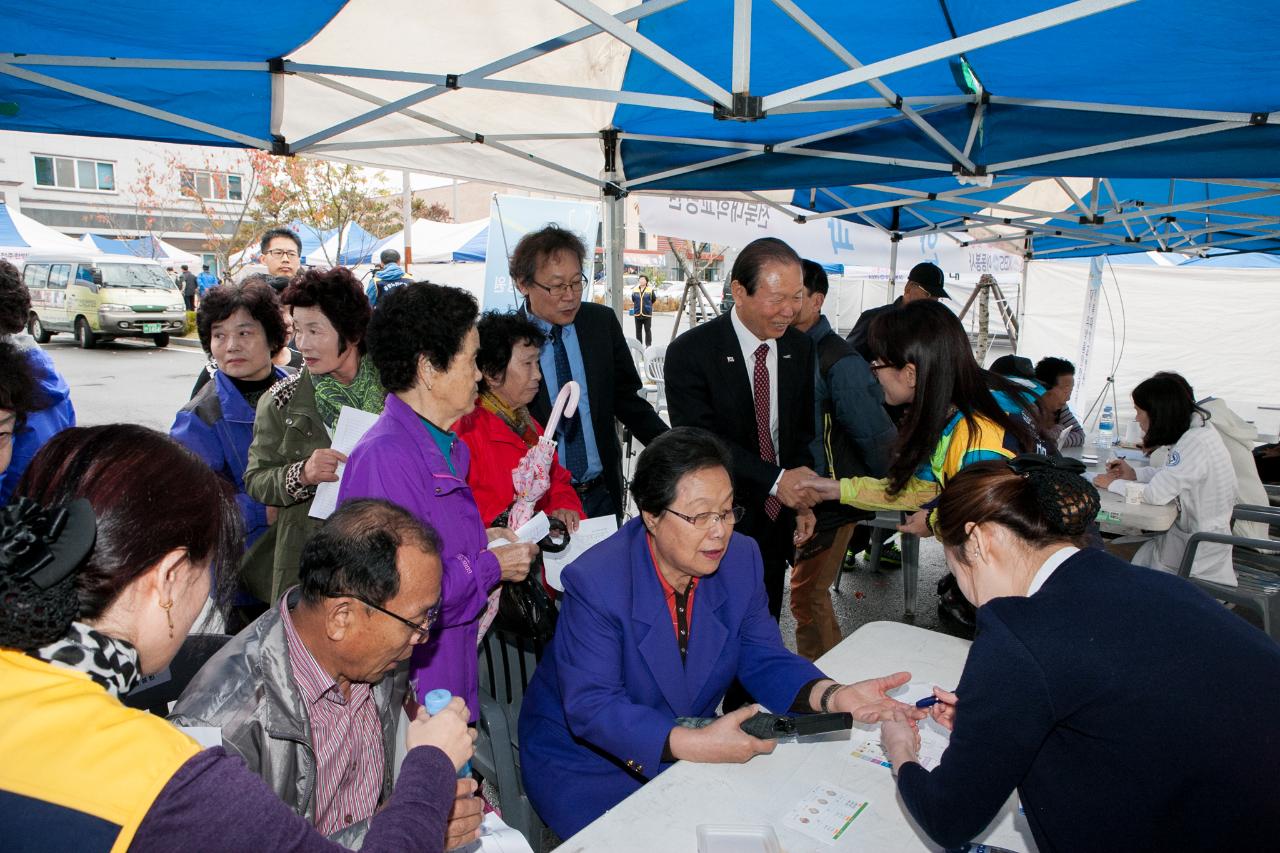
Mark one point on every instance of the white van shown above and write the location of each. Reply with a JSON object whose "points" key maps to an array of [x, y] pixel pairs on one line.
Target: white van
{"points": [[99, 297]]}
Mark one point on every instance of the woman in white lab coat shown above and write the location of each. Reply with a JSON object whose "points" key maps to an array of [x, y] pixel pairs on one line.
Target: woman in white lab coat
{"points": [[1198, 475]]}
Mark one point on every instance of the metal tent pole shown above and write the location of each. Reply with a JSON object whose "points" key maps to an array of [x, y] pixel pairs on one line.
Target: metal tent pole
{"points": [[613, 200], [407, 214]]}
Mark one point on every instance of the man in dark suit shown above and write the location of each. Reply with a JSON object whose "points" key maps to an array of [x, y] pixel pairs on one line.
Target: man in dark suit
{"points": [[584, 343], [748, 377]]}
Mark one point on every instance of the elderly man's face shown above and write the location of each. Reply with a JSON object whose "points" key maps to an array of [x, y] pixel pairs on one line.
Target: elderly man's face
{"points": [[776, 303], [380, 642]]}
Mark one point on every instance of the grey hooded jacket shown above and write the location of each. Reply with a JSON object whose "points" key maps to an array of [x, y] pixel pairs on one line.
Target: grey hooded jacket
{"points": [[247, 689]]}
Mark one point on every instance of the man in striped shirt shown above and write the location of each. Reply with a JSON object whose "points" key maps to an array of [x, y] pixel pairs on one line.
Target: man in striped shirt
{"points": [[310, 693], [1058, 376]]}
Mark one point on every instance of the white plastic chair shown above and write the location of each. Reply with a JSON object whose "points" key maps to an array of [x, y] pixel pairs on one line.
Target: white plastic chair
{"points": [[655, 362], [648, 388]]}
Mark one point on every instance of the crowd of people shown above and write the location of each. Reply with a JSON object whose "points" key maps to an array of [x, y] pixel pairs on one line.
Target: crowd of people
{"points": [[1086, 673]]}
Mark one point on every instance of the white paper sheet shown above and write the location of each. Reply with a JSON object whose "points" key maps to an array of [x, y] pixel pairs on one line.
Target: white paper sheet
{"points": [[827, 813], [532, 530], [590, 532], [352, 425]]}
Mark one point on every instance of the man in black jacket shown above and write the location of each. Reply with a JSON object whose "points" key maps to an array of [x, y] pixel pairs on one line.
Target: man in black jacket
{"points": [[584, 343], [923, 282], [748, 377]]}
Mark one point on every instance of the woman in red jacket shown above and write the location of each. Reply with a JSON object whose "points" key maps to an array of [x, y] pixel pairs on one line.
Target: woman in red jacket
{"points": [[500, 431]]}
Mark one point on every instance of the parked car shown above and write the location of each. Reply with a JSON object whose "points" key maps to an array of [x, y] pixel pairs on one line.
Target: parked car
{"points": [[100, 297]]}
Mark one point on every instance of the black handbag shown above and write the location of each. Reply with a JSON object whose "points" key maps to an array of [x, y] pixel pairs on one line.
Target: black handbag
{"points": [[524, 607]]}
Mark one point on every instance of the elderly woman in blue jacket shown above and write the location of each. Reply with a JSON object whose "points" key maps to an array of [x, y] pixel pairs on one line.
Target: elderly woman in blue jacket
{"points": [[656, 623], [241, 329]]}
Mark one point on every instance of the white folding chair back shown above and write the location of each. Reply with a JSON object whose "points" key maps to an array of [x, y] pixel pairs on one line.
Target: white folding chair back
{"points": [[655, 362]]}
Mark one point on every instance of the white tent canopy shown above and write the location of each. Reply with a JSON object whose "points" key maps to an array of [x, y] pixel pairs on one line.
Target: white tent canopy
{"points": [[1207, 323], [434, 242], [21, 235]]}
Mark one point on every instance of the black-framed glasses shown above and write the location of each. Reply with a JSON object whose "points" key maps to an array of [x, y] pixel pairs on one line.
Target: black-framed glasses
{"points": [[877, 364], [422, 630], [704, 520], [574, 286], [281, 254]]}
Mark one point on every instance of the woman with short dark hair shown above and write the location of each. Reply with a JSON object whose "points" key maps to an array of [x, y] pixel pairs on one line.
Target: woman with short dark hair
{"points": [[656, 623], [285, 356], [423, 341], [241, 331], [106, 559], [290, 454], [1127, 709], [499, 432], [17, 398], [1197, 473]]}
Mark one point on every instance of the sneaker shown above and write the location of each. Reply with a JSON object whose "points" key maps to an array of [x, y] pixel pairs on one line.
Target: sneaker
{"points": [[850, 562], [953, 606], [890, 556]]}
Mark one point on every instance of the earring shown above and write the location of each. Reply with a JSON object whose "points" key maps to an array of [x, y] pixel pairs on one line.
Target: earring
{"points": [[168, 614]]}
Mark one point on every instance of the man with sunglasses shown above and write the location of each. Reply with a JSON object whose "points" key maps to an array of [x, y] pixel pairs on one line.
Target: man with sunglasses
{"points": [[585, 343], [309, 695]]}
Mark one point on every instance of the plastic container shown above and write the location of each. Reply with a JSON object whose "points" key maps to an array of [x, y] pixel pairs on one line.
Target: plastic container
{"points": [[1106, 432], [433, 703], [714, 838]]}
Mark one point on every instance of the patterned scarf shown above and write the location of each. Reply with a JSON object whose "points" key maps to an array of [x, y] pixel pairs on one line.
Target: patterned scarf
{"points": [[111, 663], [520, 421], [365, 393]]}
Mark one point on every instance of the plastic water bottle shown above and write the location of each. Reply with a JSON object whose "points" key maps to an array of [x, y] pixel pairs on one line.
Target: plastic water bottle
{"points": [[1106, 432], [433, 703]]}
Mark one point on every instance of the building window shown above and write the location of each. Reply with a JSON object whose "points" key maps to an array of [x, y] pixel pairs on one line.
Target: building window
{"points": [[644, 239], [69, 173], [211, 186]]}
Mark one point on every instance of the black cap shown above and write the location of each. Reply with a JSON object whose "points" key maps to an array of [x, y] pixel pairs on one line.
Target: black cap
{"points": [[930, 277]]}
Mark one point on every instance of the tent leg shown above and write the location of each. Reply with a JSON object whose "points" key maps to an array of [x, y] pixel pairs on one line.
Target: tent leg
{"points": [[893, 267], [615, 234], [1022, 297], [407, 214]]}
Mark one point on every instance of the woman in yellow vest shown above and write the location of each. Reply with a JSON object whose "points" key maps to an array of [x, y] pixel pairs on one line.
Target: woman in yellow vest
{"points": [[105, 563]]}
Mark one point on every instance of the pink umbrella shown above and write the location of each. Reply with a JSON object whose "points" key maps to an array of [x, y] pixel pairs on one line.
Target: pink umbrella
{"points": [[532, 478]]}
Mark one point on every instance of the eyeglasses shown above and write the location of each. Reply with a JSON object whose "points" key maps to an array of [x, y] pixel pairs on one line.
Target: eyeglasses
{"points": [[880, 365], [704, 520], [420, 631], [282, 254], [573, 287]]}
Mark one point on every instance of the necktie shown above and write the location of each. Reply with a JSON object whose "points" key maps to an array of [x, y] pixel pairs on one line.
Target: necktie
{"points": [[575, 441], [760, 391]]}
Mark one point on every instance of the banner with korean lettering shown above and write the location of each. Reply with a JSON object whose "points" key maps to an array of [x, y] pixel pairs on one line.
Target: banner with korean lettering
{"points": [[828, 241], [512, 217]]}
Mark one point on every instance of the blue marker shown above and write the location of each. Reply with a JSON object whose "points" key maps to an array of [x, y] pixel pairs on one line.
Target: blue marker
{"points": [[928, 702]]}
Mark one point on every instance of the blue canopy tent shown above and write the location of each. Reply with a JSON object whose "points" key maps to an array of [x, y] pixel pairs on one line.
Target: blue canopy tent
{"points": [[357, 246], [610, 97], [474, 249]]}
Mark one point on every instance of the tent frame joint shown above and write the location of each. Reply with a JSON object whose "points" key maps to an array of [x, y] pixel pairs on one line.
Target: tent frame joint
{"points": [[451, 81], [746, 107], [280, 146], [978, 170], [277, 66], [1094, 219], [1259, 118]]}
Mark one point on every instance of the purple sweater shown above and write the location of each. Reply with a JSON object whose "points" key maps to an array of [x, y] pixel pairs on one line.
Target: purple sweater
{"points": [[397, 460], [213, 803]]}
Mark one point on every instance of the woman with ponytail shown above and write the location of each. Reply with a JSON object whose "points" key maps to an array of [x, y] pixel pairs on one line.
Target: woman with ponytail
{"points": [[1127, 709]]}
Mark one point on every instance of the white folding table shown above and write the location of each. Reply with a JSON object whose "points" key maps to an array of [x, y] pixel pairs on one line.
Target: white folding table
{"points": [[665, 814]]}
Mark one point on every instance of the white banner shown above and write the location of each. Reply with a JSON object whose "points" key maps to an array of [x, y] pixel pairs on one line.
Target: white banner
{"points": [[827, 241], [512, 217]]}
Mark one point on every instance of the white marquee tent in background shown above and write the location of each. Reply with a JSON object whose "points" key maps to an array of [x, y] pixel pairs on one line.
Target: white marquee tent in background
{"points": [[21, 235]]}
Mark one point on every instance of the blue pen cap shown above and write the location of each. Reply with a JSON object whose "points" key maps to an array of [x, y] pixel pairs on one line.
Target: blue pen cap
{"points": [[435, 701]]}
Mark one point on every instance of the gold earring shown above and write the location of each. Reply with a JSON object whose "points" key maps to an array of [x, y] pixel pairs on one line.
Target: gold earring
{"points": [[168, 614]]}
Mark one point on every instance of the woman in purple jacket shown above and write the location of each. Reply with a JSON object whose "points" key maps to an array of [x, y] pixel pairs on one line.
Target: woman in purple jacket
{"points": [[423, 341]]}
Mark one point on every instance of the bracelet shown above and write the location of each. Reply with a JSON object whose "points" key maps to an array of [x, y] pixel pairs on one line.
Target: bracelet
{"points": [[831, 690]]}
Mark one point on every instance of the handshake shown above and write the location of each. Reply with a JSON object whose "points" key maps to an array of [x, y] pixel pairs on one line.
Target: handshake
{"points": [[801, 488]]}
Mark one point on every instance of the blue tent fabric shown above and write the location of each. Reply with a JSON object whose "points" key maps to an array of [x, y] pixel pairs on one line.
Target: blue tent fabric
{"points": [[9, 234], [474, 249], [1160, 57], [140, 247], [358, 246], [231, 30]]}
